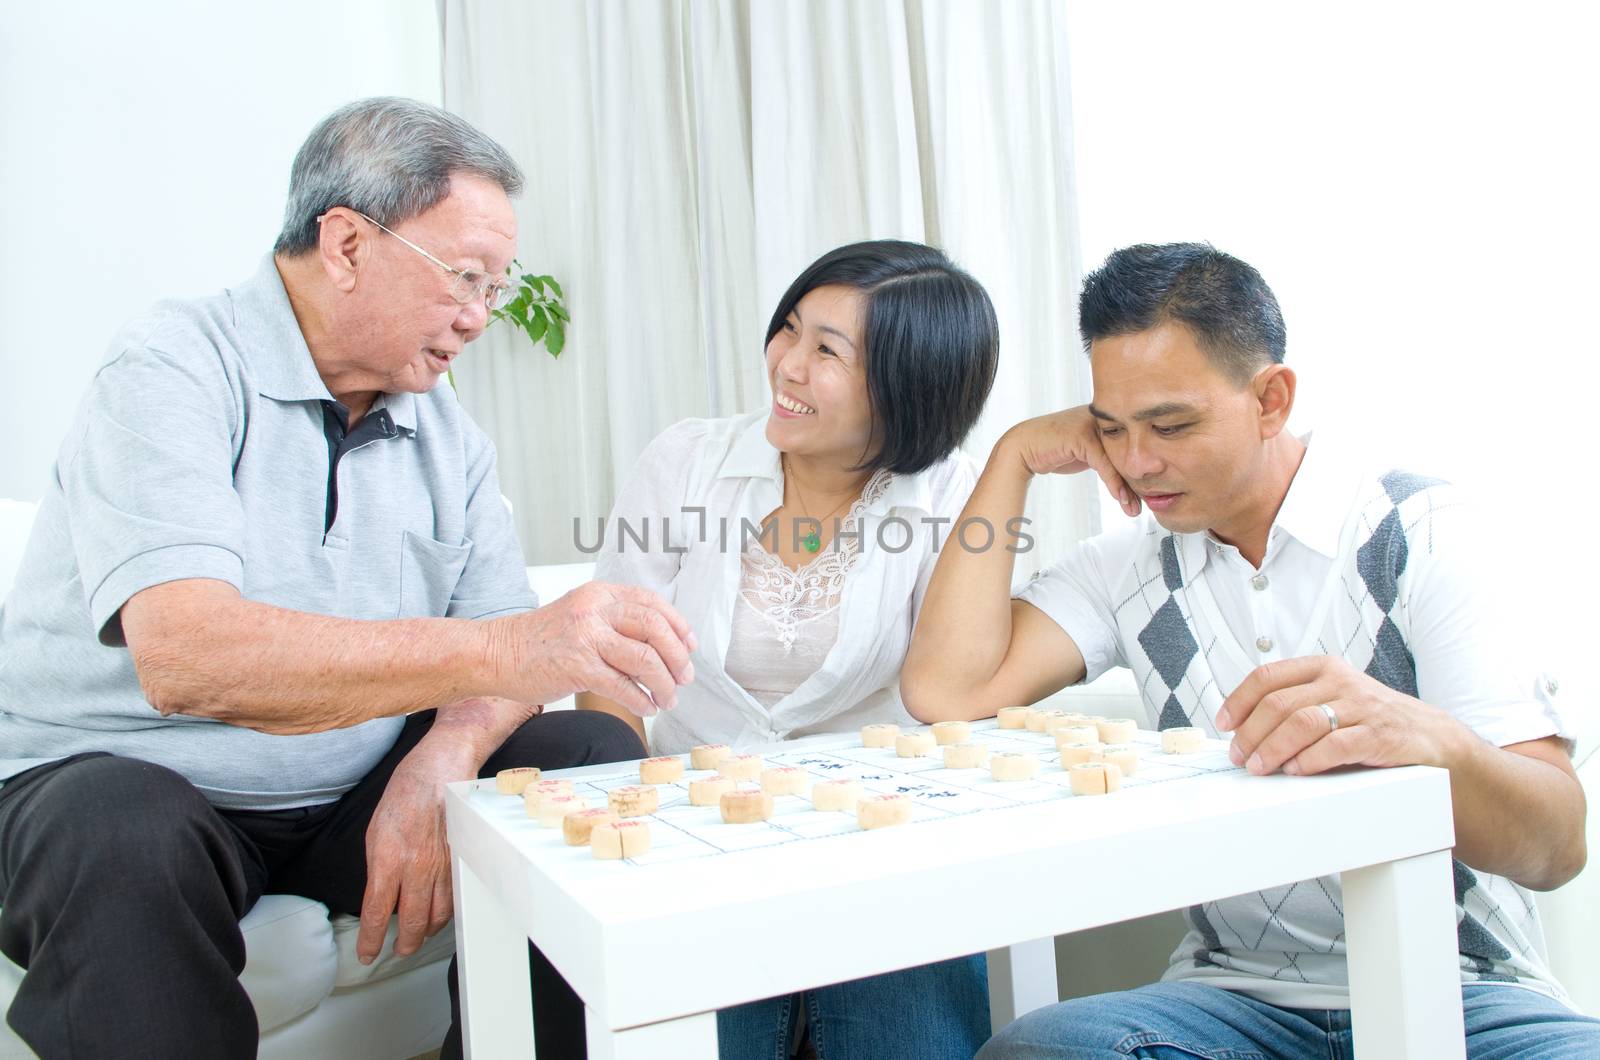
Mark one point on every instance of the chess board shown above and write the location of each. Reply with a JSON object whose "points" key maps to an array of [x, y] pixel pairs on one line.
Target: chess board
{"points": [[681, 831]]}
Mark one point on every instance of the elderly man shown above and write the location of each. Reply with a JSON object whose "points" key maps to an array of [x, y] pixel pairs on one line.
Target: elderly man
{"points": [[273, 602], [1321, 613]]}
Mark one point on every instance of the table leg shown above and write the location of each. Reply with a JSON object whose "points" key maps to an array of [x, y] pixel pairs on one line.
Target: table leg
{"points": [[1405, 979], [1021, 978], [689, 1038], [492, 972]]}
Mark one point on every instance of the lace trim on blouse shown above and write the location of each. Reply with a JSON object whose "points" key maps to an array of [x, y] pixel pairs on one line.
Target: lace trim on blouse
{"points": [[788, 599]]}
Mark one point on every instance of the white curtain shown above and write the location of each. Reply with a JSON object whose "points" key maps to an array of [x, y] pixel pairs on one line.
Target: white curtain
{"points": [[687, 158]]}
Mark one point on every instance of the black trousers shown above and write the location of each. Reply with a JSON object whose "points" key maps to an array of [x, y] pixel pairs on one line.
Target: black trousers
{"points": [[121, 891]]}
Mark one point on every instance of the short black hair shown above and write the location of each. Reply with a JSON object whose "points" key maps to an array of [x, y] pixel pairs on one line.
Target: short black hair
{"points": [[932, 345], [1223, 301]]}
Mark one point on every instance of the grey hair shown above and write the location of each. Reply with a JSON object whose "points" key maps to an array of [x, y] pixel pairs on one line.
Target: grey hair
{"points": [[388, 157]]}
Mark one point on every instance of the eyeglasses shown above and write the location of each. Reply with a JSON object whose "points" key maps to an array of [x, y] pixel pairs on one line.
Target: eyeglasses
{"points": [[470, 284]]}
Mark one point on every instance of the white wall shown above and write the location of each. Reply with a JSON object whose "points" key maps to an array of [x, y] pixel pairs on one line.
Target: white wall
{"points": [[144, 153], [1417, 183]]}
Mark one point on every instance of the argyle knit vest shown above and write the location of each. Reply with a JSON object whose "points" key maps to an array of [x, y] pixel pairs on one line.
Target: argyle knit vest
{"points": [[1290, 940]]}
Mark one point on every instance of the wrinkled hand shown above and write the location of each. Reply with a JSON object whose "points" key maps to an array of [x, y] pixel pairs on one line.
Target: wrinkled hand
{"points": [[1278, 723], [408, 860], [606, 639], [1065, 443]]}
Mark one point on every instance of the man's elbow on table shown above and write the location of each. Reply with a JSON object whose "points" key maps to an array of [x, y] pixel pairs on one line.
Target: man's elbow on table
{"points": [[929, 697]]}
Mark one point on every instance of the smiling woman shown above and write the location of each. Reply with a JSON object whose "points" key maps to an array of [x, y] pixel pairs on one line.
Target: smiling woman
{"points": [[820, 517]]}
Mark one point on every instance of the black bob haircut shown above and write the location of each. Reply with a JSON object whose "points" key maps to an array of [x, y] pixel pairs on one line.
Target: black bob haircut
{"points": [[1224, 303], [932, 345]]}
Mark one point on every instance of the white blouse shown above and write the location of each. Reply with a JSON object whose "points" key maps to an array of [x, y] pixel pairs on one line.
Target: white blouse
{"points": [[790, 618], [683, 527]]}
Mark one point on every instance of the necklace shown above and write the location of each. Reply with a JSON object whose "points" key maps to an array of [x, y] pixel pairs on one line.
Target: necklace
{"points": [[813, 540]]}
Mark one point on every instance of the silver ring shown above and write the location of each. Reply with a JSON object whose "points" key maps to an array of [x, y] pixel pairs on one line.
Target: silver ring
{"points": [[1333, 719]]}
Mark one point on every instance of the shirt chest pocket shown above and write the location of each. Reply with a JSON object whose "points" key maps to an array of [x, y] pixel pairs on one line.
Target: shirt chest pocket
{"points": [[429, 572]]}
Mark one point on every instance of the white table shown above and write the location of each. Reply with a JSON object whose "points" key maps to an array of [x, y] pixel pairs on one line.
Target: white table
{"points": [[655, 950]]}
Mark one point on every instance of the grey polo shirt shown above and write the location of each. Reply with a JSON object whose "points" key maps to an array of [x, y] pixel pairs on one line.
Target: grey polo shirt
{"points": [[200, 452]]}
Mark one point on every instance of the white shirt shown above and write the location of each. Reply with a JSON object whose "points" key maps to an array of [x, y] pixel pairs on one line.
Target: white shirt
{"points": [[1286, 946], [790, 618], [693, 490]]}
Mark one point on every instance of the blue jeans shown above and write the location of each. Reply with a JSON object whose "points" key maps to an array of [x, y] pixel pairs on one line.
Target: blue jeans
{"points": [[1184, 1021], [927, 1013]]}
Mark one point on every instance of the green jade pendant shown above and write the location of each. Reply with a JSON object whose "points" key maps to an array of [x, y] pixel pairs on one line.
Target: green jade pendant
{"points": [[812, 541]]}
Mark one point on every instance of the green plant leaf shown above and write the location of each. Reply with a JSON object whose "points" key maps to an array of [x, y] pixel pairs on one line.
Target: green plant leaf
{"points": [[536, 309], [509, 312]]}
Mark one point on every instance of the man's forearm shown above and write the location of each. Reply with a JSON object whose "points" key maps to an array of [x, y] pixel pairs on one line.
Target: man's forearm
{"points": [[478, 726], [286, 672], [1518, 815], [964, 628]]}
